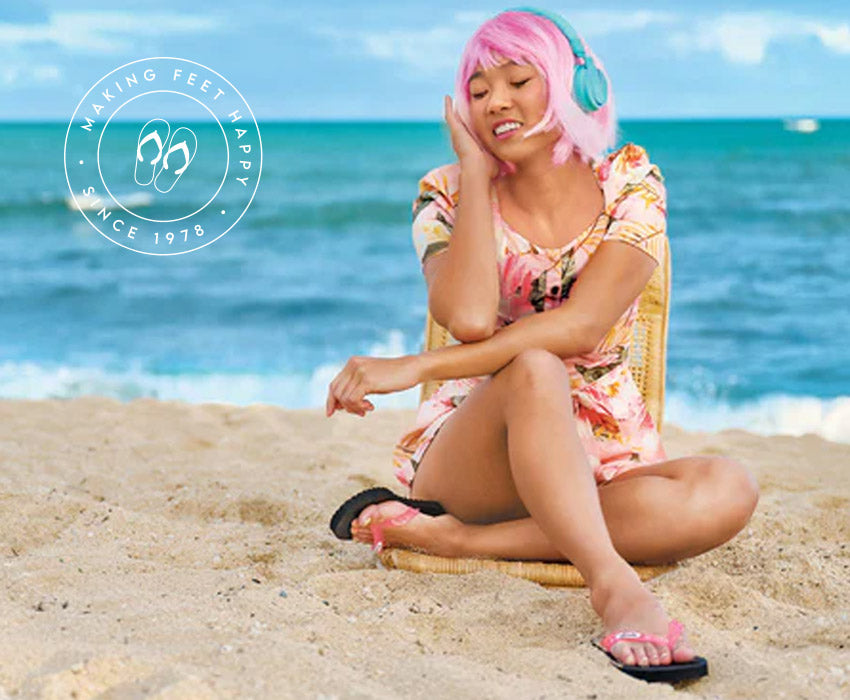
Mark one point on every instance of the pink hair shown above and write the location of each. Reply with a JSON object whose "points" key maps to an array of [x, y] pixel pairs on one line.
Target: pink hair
{"points": [[526, 38]]}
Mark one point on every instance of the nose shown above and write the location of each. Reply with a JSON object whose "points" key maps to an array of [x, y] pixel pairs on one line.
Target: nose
{"points": [[499, 99]]}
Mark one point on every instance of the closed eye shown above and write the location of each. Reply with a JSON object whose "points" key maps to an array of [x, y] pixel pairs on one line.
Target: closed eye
{"points": [[479, 95]]}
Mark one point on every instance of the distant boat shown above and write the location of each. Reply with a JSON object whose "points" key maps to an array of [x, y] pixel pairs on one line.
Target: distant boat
{"points": [[802, 126], [135, 199]]}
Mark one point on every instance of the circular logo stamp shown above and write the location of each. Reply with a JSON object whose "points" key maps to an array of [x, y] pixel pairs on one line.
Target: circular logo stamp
{"points": [[163, 156]]}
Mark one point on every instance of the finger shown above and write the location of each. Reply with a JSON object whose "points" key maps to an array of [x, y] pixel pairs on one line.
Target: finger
{"points": [[355, 398], [333, 394], [352, 397], [336, 405], [330, 402], [345, 395], [450, 126], [339, 407]]}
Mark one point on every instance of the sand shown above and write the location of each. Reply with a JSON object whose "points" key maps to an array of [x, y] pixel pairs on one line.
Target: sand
{"points": [[170, 550]]}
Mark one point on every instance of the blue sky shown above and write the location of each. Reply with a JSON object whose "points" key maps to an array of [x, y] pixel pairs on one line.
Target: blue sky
{"points": [[395, 60]]}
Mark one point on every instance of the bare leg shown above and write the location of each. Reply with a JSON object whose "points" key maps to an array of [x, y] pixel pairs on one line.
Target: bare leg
{"points": [[511, 450], [655, 514]]}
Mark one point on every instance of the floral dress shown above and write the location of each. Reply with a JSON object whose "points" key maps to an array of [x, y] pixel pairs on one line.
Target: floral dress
{"points": [[616, 430]]}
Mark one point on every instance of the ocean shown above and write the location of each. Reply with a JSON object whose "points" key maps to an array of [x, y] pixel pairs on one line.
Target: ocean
{"points": [[322, 267]]}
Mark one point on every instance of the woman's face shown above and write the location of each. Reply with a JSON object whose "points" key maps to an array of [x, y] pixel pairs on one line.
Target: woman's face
{"points": [[504, 102]]}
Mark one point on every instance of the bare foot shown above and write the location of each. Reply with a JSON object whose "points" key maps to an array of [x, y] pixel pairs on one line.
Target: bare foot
{"points": [[623, 603], [426, 533]]}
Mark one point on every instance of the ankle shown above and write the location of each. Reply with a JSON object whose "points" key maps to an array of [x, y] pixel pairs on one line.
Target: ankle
{"points": [[457, 536], [445, 536], [607, 580]]}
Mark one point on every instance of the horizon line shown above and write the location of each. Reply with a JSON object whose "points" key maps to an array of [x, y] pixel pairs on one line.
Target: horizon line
{"points": [[413, 120]]}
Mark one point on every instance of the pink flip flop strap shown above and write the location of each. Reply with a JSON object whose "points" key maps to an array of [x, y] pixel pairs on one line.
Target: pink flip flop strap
{"points": [[674, 631], [377, 527]]}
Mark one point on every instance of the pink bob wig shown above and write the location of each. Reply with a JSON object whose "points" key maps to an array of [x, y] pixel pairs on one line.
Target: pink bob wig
{"points": [[527, 38]]}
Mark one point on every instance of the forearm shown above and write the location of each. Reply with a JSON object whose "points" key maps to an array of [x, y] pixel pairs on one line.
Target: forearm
{"points": [[561, 331], [466, 293]]}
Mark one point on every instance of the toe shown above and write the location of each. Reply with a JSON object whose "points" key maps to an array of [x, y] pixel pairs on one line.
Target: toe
{"points": [[622, 651], [366, 514], [664, 655], [651, 653], [640, 654], [682, 652]]}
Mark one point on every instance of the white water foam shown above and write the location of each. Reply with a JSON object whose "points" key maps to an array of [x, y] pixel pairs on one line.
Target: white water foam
{"points": [[28, 380], [768, 415]]}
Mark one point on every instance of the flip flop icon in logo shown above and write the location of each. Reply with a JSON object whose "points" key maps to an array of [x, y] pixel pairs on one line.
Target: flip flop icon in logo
{"points": [[155, 131], [181, 151]]}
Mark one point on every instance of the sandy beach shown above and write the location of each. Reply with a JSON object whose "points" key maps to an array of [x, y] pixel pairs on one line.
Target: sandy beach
{"points": [[174, 550]]}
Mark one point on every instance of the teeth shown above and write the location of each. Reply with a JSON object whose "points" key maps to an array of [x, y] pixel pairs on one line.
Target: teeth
{"points": [[507, 126]]}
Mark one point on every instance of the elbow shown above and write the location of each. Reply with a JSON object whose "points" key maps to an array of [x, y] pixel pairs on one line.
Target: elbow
{"points": [[471, 330], [590, 338]]}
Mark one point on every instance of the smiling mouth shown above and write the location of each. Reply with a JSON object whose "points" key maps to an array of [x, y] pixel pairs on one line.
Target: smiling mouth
{"points": [[506, 128]]}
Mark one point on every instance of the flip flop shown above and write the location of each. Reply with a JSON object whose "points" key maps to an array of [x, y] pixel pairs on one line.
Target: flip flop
{"points": [[657, 673], [184, 141], [150, 132], [351, 509], [377, 526]]}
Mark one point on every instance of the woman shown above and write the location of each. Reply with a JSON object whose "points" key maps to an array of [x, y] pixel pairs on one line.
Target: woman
{"points": [[535, 249]]}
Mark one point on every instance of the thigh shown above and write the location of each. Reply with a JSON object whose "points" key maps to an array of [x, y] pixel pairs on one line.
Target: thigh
{"points": [[466, 466], [714, 479]]}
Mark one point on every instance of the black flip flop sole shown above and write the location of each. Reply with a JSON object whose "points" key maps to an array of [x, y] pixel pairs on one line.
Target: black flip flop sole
{"points": [[348, 511], [661, 673]]}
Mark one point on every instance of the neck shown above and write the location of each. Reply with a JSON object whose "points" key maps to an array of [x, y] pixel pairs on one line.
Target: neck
{"points": [[539, 186]]}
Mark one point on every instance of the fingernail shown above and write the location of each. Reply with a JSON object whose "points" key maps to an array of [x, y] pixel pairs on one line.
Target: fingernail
{"points": [[368, 520]]}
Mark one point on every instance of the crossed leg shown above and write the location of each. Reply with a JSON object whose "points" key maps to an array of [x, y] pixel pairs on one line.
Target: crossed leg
{"points": [[509, 467]]}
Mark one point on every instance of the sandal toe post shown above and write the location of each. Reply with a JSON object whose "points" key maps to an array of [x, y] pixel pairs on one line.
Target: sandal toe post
{"points": [[658, 673]]}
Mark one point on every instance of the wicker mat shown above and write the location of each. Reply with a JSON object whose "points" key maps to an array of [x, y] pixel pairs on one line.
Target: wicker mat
{"points": [[546, 574]]}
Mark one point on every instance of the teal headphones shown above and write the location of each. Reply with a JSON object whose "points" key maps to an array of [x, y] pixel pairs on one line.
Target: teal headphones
{"points": [[590, 88]]}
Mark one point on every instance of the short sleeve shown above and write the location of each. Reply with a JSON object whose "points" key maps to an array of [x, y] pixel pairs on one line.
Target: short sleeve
{"points": [[639, 217], [434, 213]]}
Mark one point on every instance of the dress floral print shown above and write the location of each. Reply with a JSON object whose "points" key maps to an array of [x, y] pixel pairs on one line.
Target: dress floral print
{"points": [[616, 430]]}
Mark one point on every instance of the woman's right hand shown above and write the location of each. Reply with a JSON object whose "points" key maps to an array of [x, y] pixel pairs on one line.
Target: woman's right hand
{"points": [[469, 153]]}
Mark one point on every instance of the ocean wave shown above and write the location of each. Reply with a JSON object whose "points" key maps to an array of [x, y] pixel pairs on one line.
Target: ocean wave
{"points": [[30, 380], [768, 415], [774, 414]]}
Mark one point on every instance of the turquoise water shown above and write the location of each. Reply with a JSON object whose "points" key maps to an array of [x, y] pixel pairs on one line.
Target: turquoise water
{"points": [[322, 267]]}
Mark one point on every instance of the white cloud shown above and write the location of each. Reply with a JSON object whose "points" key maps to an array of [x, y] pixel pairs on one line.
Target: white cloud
{"points": [[437, 48], [591, 23], [101, 32], [744, 37], [739, 37], [834, 38], [24, 73], [425, 50]]}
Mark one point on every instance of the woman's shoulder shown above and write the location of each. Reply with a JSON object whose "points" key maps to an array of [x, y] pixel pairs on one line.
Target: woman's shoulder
{"points": [[443, 178], [439, 187], [630, 161], [626, 167]]}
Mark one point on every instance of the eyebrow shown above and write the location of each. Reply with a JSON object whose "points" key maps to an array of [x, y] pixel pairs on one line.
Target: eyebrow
{"points": [[479, 74]]}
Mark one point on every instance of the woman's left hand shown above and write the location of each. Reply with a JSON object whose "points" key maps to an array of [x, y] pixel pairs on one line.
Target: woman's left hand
{"points": [[371, 375]]}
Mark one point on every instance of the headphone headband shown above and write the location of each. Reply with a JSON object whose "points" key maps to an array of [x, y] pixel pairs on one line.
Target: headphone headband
{"points": [[590, 87]]}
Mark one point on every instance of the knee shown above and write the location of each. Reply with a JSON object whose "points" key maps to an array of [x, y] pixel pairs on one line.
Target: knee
{"points": [[732, 489], [536, 368]]}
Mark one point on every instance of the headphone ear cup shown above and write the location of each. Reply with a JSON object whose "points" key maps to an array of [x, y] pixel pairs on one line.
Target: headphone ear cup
{"points": [[590, 88]]}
